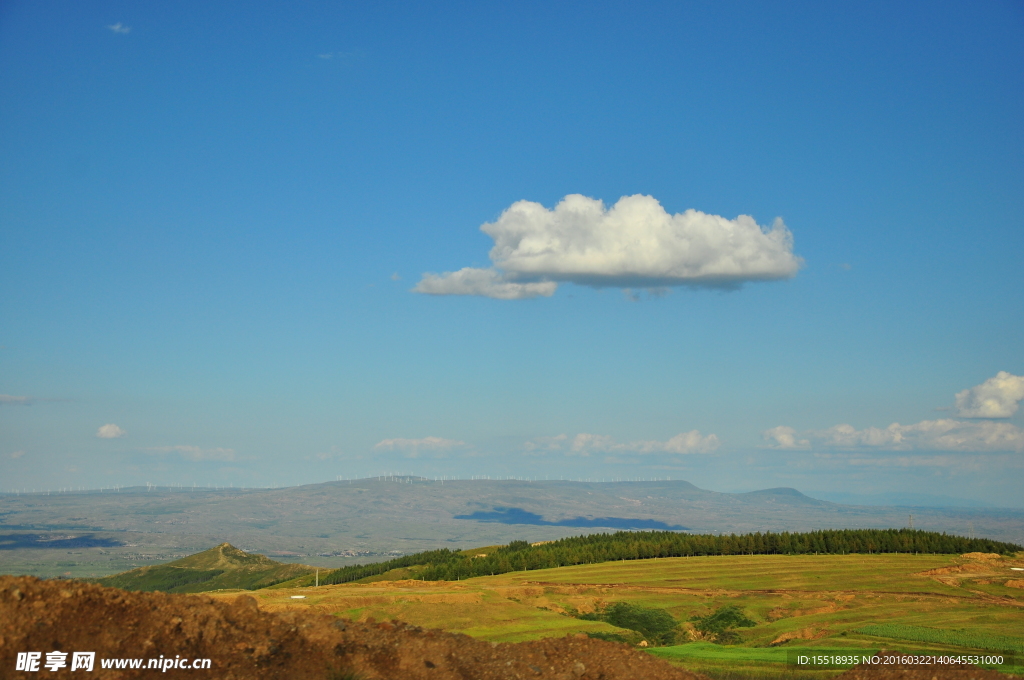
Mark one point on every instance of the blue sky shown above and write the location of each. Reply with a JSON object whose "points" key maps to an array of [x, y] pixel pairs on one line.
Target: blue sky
{"points": [[214, 221]]}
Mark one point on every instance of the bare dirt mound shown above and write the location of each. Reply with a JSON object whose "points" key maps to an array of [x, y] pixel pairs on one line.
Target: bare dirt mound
{"points": [[245, 643]]}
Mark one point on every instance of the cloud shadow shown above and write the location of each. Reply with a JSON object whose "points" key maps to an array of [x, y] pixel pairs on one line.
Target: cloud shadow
{"points": [[20, 541], [519, 516]]}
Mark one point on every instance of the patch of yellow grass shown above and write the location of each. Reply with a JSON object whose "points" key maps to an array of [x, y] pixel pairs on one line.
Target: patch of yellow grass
{"points": [[821, 599]]}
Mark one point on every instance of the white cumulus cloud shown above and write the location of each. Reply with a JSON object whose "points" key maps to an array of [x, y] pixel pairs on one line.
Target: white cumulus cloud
{"points": [[783, 437], [633, 244], [413, 447], [110, 431], [584, 444], [120, 28], [196, 453], [12, 399], [946, 434], [540, 445], [997, 397]]}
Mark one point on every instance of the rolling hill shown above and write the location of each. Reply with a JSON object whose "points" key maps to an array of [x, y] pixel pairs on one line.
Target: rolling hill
{"points": [[223, 566]]}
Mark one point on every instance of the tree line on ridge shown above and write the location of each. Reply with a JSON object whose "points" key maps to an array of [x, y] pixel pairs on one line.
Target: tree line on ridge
{"points": [[451, 565]]}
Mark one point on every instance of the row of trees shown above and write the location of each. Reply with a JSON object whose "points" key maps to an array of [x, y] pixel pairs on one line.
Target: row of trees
{"points": [[448, 565], [361, 571]]}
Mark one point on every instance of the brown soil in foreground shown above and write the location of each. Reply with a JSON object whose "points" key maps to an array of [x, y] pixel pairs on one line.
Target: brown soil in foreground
{"points": [[246, 643]]}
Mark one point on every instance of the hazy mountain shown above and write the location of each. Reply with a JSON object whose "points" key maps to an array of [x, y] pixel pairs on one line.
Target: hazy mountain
{"points": [[338, 523]]}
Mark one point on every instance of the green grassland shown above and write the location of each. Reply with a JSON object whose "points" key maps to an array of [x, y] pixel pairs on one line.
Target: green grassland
{"points": [[796, 601], [719, 660], [969, 639]]}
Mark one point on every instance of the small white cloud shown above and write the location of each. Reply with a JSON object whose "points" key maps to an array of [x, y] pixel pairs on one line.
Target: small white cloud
{"points": [[120, 28], [783, 437], [333, 454], [584, 444], [413, 447], [110, 431], [12, 399], [540, 445], [485, 282], [847, 436], [685, 442], [396, 277], [17, 454], [945, 434], [342, 58], [197, 453], [997, 397], [633, 244]]}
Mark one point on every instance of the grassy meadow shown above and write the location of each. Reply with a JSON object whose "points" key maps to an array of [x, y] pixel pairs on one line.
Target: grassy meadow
{"points": [[805, 601]]}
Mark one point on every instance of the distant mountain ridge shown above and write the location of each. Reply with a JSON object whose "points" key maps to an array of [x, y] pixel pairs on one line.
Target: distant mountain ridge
{"points": [[220, 567], [337, 523]]}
